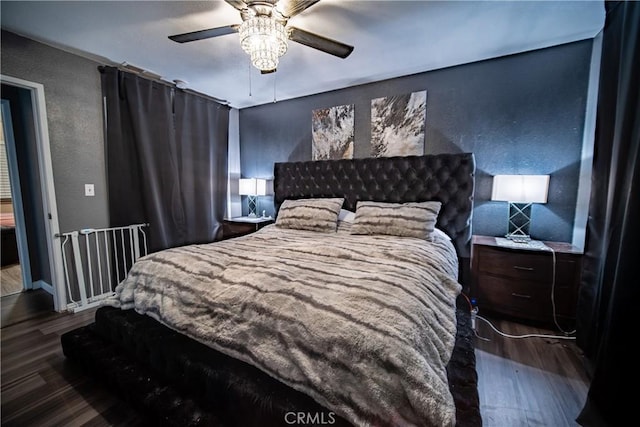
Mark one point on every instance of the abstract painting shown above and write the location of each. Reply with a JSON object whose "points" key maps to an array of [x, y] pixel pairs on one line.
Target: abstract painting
{"points": [[332, 133], [397, 125]]}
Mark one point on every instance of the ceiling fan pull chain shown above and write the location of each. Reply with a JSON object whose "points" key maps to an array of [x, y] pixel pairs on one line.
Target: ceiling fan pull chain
{"points": [[274, 86], [249, 78]]}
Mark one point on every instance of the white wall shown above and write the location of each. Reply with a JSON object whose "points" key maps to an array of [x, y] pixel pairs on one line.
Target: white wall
{"points": [[234, 204], [588, 140]]}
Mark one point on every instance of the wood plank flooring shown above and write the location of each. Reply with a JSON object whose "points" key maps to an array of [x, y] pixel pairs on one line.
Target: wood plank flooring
{"points": [[532, 382], [25, 305], [39, 387], [528, 382], [10, 280]]}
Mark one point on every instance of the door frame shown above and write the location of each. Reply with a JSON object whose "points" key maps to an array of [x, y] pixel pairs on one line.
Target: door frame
{"points": [[16, 197], [47, 188]]}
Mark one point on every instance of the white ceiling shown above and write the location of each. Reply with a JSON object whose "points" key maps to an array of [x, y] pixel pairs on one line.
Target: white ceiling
{"points": [[391, 39]]}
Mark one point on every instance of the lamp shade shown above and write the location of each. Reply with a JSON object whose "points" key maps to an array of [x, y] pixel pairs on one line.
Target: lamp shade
{"points": [[255, 187], [247, 187], [520, 188], [261, 187]]}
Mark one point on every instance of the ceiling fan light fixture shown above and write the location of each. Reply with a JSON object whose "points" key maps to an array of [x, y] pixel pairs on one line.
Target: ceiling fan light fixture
{"points": [[265, 40]]}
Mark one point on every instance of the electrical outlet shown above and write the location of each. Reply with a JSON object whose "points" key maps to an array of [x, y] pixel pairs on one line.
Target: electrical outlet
{"points": [[89, 190]]}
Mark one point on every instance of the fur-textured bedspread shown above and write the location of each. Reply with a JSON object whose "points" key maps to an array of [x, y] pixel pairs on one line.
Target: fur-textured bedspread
{"points": [[365, 325]]}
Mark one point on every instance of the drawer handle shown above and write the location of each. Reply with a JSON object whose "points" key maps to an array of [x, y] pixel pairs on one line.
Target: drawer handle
{"points": [[520, 295], [517, 267]]}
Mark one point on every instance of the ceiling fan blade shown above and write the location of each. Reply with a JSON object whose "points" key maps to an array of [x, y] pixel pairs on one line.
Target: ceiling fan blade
{"points": [[289, 8], [204, 34], [324, 44], [238, 4], [268, 71]]}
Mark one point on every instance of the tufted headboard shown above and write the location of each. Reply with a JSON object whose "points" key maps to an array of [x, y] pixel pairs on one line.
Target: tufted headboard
{"points": [[448, 178]]}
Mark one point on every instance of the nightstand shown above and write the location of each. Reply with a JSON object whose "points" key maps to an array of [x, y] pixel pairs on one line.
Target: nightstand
{"points": [[243, 225], [518, 282]]}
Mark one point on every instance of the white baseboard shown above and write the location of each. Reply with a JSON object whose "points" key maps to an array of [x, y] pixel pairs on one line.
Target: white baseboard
{"points": [[43, 285]]}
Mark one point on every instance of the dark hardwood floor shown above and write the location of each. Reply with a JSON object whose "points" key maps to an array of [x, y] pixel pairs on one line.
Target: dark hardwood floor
{"points": [[38, 386], [528, 382], [23, 306], [532, 382]]}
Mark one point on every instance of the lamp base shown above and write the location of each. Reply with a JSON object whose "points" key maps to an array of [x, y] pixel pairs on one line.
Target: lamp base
{"points": [[252, 202], [518, 238], [519, 221], [531, 244]]}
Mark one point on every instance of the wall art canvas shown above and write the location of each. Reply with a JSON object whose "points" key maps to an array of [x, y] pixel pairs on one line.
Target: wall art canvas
{"points": [[397, 125], [332, 133]]}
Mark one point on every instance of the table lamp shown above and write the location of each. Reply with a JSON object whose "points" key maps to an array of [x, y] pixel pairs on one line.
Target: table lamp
{"points": [[520, 191], [252, 188]]}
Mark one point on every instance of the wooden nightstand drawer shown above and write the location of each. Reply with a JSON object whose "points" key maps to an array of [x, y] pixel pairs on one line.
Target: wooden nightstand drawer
{"points": [[516, 265], [519, 282], [236, 229], [241, 226], [515, 298]]}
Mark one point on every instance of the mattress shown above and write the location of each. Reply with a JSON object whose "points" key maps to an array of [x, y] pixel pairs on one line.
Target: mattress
{"points": [[172, 380], [364, 325]]}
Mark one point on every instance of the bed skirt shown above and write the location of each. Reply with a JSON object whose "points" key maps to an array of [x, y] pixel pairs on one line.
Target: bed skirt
{"points": [[172, 380]]}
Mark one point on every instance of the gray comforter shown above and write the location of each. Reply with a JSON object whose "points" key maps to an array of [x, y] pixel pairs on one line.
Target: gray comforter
{"points": [[365, 325]]}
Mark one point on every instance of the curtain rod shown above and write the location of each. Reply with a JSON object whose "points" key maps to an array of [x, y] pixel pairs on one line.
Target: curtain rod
{"points": [[149, 75]]}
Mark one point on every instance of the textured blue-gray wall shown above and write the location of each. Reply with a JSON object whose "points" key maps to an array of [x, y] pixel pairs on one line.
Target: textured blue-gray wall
{"points": [[519, 114], [74, 116]]}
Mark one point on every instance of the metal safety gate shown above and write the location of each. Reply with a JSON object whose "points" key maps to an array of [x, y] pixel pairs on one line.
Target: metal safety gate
{"points": [[96, 260]]}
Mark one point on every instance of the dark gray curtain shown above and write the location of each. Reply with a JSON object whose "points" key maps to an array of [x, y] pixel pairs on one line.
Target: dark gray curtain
{"points": [[201, 127], [609, 290], [166, 159]]}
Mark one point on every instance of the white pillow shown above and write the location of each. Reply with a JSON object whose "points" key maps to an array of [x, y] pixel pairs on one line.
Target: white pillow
{"points": [[310, 214], [441, 233], [413, 219], [346, 216]]}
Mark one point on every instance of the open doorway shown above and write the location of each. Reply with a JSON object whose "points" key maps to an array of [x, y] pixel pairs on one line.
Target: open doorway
{"points": [[33, 202], [12, 271]]}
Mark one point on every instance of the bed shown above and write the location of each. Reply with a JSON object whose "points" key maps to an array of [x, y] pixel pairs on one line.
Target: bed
{"points": [[300, 326]]}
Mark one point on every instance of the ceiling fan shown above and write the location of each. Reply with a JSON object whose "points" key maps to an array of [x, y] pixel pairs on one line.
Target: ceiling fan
{"points": [[264, 32]]}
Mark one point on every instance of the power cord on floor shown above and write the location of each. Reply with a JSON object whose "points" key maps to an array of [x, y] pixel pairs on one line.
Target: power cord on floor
{"points": [[562, 337], [567, 334], [553, 294]]}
